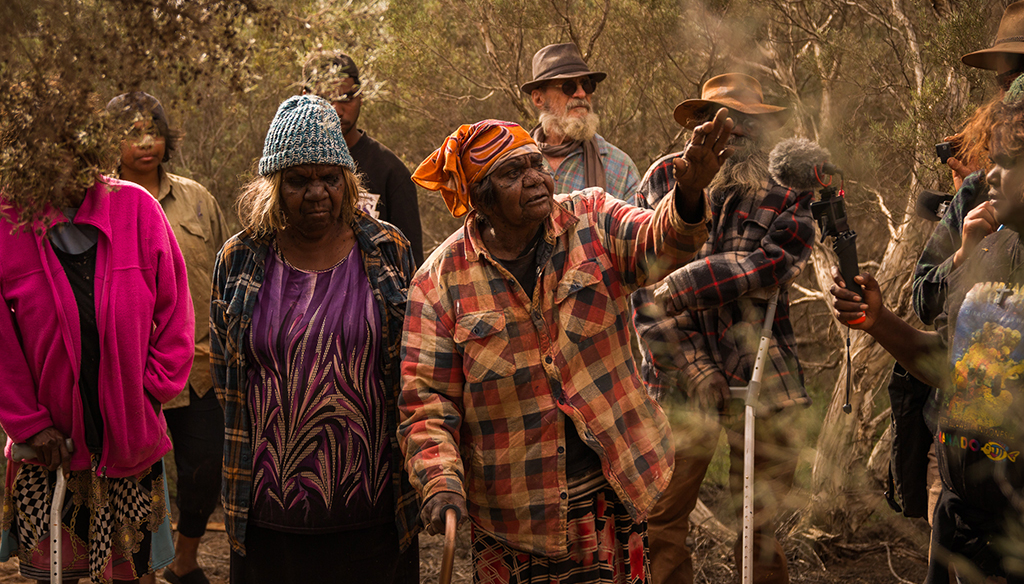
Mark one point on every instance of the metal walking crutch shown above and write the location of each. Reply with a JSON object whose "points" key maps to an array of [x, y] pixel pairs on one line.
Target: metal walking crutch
{"points": [[750, 394], [451, 521], [22, 452]]}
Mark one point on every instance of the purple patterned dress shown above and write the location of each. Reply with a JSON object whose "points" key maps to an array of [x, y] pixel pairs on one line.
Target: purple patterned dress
{"points": [[321, 455]]}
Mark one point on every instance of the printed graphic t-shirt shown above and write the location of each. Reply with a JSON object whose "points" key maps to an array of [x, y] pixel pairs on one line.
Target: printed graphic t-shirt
{"points": [[981, 426]]}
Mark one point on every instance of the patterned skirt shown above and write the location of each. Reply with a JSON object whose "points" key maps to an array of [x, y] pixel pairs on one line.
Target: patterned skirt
{"points": [[605, 547], [113, 528]]}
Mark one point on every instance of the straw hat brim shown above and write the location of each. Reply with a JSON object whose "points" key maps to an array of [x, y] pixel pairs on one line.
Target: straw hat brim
{"points": [[597, 76], [686, 113], [986, 58]]}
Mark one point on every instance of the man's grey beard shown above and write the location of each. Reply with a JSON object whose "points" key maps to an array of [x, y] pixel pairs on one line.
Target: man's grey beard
{"points": [[571, 127], [745, 171]]}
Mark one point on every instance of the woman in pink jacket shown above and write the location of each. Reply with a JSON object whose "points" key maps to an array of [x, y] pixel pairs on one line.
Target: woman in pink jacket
{"points": [[95, 333]]}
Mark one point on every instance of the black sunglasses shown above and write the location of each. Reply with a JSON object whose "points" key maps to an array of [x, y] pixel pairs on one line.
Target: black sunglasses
{"points": [[569, 86]]}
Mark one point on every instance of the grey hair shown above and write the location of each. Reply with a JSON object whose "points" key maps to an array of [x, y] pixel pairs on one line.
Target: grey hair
{"points": [[259, 203]]}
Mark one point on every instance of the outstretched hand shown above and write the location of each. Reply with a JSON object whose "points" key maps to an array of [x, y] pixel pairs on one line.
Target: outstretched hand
{"points": [[850, 308], [704, 154]]}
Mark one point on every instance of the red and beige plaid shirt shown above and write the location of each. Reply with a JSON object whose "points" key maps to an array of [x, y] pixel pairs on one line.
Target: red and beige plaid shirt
{"points": [[489, 374]]}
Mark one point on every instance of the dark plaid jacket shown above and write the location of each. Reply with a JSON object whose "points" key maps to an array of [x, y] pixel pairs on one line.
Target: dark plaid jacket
{"points": [[717, 303], [937, 257]]}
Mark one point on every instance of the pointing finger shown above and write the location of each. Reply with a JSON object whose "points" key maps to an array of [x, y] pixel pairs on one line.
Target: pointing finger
{"points": [[723, 129]]}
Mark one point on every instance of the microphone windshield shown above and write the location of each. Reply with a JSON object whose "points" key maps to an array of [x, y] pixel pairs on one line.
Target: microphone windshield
{"points": [[792, 162]]}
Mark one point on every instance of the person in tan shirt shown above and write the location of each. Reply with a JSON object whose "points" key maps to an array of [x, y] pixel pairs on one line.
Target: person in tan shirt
{"points": [[194, 417]]}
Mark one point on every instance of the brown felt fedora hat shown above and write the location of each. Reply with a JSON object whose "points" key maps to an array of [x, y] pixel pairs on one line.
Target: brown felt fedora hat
{"points": [[1009, 39], [559, 62], [735, 91]]}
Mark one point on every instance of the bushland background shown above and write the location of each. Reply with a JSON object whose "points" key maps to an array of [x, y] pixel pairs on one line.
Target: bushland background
{"points": [[878, 82]]}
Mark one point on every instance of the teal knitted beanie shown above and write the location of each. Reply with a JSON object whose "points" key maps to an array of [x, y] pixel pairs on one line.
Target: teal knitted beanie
{"points": [[305, 130]]}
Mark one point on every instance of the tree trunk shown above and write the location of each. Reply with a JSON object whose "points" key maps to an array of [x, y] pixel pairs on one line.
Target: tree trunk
{"points": [[843, 496]]}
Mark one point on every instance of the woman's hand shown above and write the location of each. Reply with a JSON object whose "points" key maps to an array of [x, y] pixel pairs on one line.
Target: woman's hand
{"points": [[433, 511], [852, 310], [960, 171], [979, 223], [51, 449]]}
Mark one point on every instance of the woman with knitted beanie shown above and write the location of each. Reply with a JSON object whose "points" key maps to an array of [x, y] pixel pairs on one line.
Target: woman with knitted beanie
{"points": [[306, 325]]}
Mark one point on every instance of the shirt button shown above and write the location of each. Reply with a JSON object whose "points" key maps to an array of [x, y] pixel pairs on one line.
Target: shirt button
{"points": [[561, 450], [564, 496], [547, 359]]}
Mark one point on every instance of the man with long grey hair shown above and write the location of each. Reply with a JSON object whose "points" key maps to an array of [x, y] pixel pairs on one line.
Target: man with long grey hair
{"points": [[704, 338]]}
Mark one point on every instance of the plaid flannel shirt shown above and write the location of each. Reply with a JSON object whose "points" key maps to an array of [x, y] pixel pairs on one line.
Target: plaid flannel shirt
{"points": [[936, 263], [717, 304], [620, 174], [490, 376], [237, 277]]}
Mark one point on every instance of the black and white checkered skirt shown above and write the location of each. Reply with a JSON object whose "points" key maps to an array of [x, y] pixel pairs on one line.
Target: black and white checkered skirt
{"points": [[113, 528]]}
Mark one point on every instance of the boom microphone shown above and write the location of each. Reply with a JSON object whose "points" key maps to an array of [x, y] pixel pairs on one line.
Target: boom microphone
{"points": [[799, 164]]}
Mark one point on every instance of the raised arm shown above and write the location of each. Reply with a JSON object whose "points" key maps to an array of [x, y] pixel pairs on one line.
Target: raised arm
{"points": [[937, 261], [784, 217]]}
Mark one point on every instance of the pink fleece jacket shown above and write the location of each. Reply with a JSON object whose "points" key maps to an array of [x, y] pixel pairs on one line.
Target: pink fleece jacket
{"points": [[145, 321]]}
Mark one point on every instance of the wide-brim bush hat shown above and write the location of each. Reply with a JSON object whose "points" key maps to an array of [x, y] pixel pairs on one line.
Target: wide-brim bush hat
{"points": [[1009, 40], [561, 61], [735, 91]]}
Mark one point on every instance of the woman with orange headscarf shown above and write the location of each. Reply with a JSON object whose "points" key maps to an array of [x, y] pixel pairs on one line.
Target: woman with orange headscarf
{"points": [[521, 407]]}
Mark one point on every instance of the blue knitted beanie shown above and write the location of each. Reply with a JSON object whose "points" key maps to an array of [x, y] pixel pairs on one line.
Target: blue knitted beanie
{"points": [[305, 130]]}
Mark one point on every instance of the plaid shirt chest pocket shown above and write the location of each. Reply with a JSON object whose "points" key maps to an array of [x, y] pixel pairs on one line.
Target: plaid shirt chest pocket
{"points": [[585, 307], [760, 216], [487, 353]]}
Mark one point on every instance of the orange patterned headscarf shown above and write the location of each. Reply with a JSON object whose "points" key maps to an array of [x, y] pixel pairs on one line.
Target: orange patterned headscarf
{"points": [[466, 157]]}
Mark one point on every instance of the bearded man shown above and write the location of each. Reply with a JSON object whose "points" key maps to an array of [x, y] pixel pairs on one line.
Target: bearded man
{"points": [[575, 154], [701, 334]]}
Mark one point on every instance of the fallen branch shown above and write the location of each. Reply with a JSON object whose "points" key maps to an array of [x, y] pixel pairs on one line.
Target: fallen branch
{"points": [[702, 517], [888, 557]]}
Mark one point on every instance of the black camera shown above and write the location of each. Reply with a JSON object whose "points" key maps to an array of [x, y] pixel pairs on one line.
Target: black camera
{"points": [[947, 150]]}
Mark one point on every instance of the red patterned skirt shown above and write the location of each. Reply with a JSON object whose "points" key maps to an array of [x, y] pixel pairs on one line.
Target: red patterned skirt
{"points": [[605, 547]]}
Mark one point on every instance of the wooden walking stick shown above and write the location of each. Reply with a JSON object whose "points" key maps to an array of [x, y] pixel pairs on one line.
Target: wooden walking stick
{"points": [[22, 452], [750, 394], [451, 520]]}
